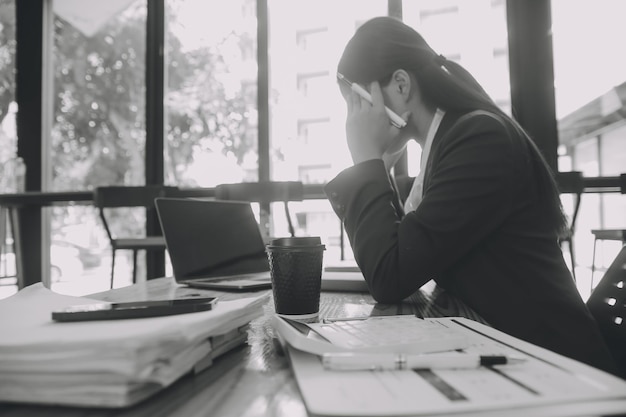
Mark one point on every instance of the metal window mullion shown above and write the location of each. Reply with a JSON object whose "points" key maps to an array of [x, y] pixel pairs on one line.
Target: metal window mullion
{"points": [[263, 104], [155, 122]]}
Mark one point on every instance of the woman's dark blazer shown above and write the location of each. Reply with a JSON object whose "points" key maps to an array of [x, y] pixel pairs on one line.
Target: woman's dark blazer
{"points": [[479, 232]]}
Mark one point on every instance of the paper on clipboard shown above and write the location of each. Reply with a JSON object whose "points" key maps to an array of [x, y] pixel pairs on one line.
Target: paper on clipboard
{"points": [[417, 336], [547, 383]]}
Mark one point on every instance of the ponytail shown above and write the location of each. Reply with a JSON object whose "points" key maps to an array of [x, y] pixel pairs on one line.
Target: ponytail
{"points": [[451, 87]]}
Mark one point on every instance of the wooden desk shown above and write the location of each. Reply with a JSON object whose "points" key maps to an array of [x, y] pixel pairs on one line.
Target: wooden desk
{"points": [[253, 380]]}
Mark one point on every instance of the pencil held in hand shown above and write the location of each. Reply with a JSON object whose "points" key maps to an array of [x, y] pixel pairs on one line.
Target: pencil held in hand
{"points": [[396, 120]]}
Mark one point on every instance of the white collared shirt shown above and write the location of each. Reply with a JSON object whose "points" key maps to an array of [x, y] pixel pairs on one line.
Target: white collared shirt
{"points": [[415, 195]]}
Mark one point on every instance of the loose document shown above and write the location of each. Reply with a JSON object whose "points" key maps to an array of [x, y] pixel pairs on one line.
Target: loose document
{"points": [[545, 384]]}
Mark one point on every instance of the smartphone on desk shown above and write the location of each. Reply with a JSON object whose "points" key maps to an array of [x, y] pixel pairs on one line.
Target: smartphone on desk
{"points": [[133, 309]]}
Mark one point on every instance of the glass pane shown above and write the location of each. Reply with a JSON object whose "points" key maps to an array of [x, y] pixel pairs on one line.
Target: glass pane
{"points": [[307, 112], [98, 133], [8, 106], [211, 92], [449, 26], [8, 141], [613, 206], [590, 91]]}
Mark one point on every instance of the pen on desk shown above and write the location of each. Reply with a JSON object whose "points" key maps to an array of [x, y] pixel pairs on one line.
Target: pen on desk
{"points": [[335, 319], [396, 120], [345, 361]]}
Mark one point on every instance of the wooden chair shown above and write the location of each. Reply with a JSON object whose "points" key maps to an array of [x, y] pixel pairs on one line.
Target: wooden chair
{"points": [[571, 183], [608, 234], [109, 198], [607, 304], [264, 193]]}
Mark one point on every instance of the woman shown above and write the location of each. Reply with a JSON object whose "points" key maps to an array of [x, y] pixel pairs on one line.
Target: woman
{"points": [[481, 219]]}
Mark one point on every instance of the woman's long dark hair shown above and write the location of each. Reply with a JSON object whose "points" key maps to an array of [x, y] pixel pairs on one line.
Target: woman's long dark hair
{"points": [[383, 45]]}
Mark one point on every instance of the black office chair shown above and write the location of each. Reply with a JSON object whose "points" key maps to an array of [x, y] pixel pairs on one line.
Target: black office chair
{"points": [[571, 183], [264, 193], [109, 198], [607, 304]]}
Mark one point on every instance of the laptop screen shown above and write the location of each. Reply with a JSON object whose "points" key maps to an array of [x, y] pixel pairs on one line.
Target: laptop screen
{"points": [[211, 238]]}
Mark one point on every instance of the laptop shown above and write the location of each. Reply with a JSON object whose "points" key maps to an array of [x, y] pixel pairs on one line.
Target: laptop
{"points": [[214, 244]]}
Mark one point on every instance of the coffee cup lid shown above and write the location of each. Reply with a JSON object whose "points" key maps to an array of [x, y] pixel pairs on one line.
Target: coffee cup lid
{"points": [[299, 244], [296, 241]]}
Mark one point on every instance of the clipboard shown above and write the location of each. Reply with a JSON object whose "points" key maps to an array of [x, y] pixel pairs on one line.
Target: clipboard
{"points": [[547, 384]]}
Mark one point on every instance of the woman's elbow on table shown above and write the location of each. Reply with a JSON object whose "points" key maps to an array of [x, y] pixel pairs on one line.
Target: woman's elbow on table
{"points": [[386, 291], [393, 285]]}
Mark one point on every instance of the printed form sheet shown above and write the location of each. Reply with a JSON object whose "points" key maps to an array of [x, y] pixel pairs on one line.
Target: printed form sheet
{"points": [[547, 383]]}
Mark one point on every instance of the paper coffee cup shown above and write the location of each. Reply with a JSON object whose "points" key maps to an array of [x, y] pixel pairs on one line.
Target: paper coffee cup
{"points": [[296, 271]]}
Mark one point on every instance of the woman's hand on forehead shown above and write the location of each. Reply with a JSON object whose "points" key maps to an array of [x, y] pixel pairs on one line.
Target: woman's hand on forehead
{"points": [[367, 126]]}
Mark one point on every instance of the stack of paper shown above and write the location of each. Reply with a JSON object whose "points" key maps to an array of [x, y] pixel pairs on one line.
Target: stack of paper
{"points": [[105, 363]]}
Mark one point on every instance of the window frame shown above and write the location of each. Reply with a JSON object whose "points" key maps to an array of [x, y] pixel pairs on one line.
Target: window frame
{"points": [[532, 98]]}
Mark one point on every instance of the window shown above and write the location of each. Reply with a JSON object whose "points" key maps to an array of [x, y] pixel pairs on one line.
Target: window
{"points": [[211, 97], [314, 39], [98, 134], [314, 87], [8, 107], [314, 133], [590, 91], [450, 27], [307, 112], [8, 138], [434, 20], [314, 174], [98, 131]]}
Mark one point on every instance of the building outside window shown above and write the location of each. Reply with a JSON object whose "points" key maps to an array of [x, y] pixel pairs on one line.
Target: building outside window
{"points": [[211, 110], [97, 136], [8, 140], [590, 89], [451, 29], [8, 106], [307, 112]]}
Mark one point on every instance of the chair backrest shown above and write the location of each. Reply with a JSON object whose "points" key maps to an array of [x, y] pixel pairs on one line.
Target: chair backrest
{"points": [[111, 197], [607, 304], [571, 183], [264, 192]]}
